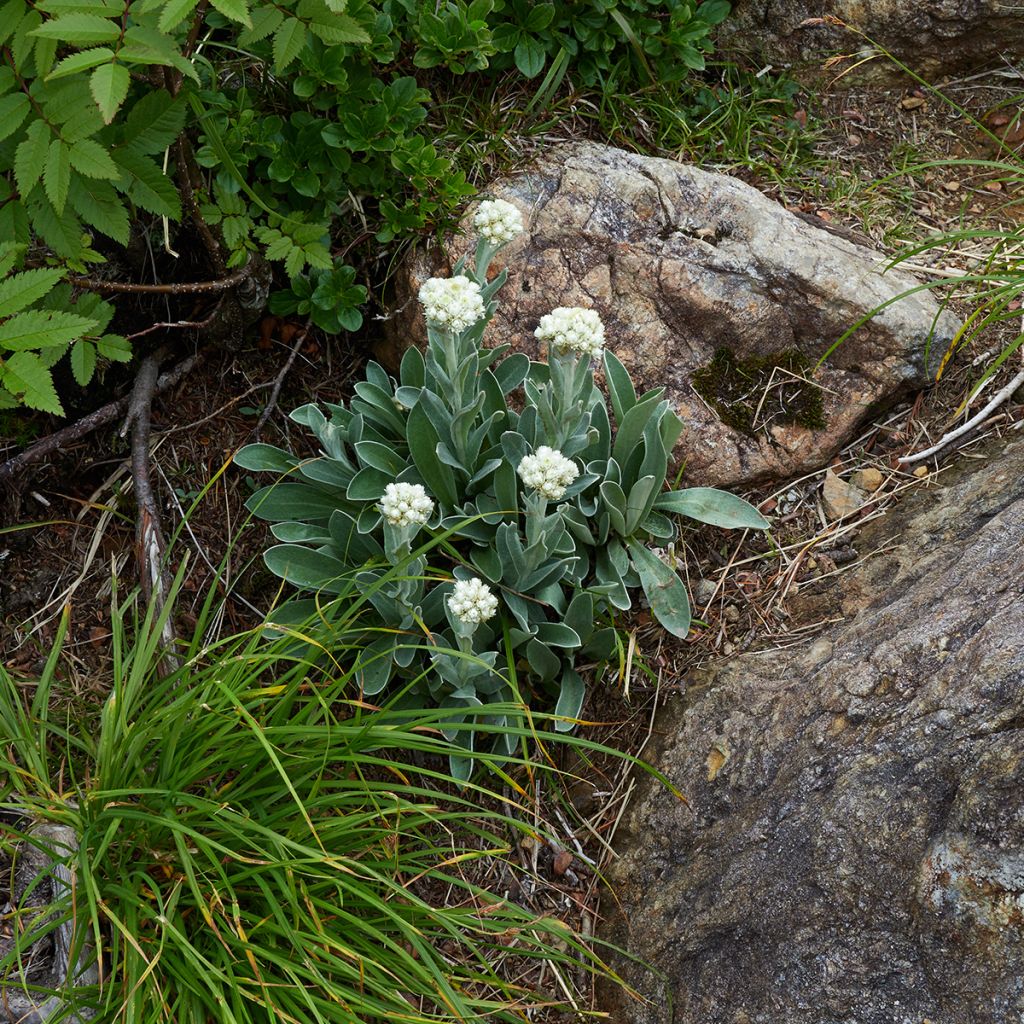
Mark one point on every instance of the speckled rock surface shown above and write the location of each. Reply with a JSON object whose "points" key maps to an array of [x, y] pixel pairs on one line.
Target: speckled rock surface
{"points": [[682, 263], [853, 848], [933, 37]]}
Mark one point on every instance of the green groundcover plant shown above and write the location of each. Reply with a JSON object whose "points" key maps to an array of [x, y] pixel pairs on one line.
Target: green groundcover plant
{"points": [[254, 845], [521, 526], [236, 129]]}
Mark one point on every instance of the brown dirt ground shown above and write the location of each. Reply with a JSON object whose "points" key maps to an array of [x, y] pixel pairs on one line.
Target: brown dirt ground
{"points": [[79, 509]]}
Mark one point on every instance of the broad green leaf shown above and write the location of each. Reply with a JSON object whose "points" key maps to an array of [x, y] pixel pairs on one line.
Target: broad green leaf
{"points": [[663, 589], [30, 157], [92, 160], [339, 29], [83, 361], [530, 56], [307, 568], [280, 503], [146, 185], [57, 175], [264, 21], [154, 122], [81, 61], [570, 700], [620, 386], [79, 30], [13, 110], [99, 205], [174, 12], [42, 328], [236, 10], [109, 86], [25, 374], [19, 291], [710, 505], [265, 458], [114, 348], [289, 40]]}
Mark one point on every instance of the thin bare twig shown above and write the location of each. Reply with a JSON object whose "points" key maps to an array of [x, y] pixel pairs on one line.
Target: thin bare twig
{"points": [[965, 428], [87, 424], [300, 337]]}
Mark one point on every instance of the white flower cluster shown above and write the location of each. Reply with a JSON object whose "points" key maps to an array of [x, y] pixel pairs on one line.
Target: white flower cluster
{"points": [[453, 303], [497, 221], [572, 329], [405, 505], [548, 471], [472, 601]]}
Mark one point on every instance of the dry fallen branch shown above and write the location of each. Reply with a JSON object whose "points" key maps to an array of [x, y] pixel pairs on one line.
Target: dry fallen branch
{"points": [[221, 284], [87, 424]]}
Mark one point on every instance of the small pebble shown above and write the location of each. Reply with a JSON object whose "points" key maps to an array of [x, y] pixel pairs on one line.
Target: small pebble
{"points": [[732, 613], [728, 648], [921, 472]]}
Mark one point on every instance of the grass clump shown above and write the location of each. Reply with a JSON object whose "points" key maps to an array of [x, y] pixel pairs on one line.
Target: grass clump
{"points": [[254, 846]]}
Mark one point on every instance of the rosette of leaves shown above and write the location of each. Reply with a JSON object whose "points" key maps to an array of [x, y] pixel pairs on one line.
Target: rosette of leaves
{"points": [[561, 572]]}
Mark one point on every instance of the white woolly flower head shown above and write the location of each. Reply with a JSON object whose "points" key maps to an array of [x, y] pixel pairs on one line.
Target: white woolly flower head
{"points": [[453, 303], [572, 329], [405, 505], [498, 221], [472, 601], [548, 471]]}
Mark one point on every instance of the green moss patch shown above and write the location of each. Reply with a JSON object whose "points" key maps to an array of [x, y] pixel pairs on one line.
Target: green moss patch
{"points": [[753, 394]]}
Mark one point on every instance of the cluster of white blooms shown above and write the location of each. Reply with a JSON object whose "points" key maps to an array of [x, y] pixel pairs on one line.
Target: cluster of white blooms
{"points": [[548, 471], [572, 329], [497, 221], [472, 601], [453, 303], [405, 505]]}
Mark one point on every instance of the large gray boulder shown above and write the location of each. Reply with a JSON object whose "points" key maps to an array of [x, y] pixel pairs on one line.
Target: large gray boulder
{"points": [[852, 846], [712, 290], [932, 37]]}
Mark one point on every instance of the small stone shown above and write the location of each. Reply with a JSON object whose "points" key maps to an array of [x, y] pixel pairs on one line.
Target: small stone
{"points": [[868, 479], [562, 863], [704, 591], [840, 498], [728, 648], [731, 613], [912, 102], [921, 472]]}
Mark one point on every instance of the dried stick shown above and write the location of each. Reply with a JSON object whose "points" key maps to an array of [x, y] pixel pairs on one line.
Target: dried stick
{"points": [[87, 424], [221, 284], [300, 337], [150, 545], [966, 428]]}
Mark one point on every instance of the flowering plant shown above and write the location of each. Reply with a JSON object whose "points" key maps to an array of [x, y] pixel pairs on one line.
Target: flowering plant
{"points": [[538, 522]]}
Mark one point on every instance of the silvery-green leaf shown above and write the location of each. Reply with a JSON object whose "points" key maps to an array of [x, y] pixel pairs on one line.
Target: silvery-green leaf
{"points": [[710, 505], [669, 602], [307, 568], [265, 458], [570, 700]]}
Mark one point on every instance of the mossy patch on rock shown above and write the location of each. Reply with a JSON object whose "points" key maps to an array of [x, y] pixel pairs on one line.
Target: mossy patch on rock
{"points": [[754, 393]]}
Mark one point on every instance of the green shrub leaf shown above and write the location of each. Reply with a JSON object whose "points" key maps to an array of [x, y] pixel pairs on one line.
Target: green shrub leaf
{"points": [[92, 160], [710, 505], [19, 291], [109, 87], [25, 375]]}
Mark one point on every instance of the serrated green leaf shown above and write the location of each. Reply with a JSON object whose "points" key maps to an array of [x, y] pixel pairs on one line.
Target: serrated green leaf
{"points": [[154, 122], [44, 52], [83, 361], [289, 40], [11, 14], [81, 61], [340, 29], [104, 8], [174, 13], [25, 375], [13, 110], [10, 252], [30, 156], [42, 328], [109, 86], [91, 159], [19, 291], [61, 232], [24, 42], [236, 10], [145, 45], [79, 29], [57, 175], [115, 348], [146, 185], [98, 205], [264, 21]]}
